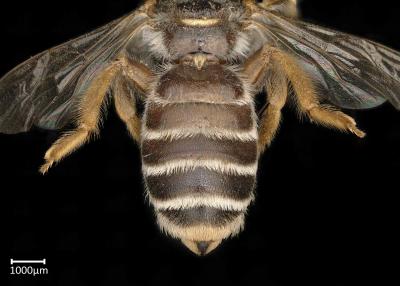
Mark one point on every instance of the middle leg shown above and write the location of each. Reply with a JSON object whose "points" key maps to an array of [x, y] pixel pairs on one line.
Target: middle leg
{"points": [[277, 91], [139, 76], [125, 105], [261, 71]]}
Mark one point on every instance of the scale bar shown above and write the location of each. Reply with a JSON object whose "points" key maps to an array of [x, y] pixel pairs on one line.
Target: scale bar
{"points": [[13, 261]]}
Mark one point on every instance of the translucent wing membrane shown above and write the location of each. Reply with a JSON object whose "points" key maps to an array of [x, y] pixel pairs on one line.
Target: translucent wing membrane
{"points": [[351, 72], [44, 91]]}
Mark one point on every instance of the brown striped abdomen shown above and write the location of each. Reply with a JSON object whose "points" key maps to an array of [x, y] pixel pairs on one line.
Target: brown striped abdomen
{"points": [[199, 152]]}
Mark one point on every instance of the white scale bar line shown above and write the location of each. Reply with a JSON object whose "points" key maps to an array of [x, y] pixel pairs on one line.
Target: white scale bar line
{"points": [[13, 261]]}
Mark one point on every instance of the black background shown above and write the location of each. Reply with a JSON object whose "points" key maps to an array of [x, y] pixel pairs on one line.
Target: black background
{"points": [[325, 201]]}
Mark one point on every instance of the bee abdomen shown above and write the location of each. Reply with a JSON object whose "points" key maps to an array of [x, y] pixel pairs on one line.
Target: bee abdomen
{"points": [[200, 171], [200, 152]]}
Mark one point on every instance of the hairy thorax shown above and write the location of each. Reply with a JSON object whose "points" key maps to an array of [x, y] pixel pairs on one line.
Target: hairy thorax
{"points": [[187, 40]]}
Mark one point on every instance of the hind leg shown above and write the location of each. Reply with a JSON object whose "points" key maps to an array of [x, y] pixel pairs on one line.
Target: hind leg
{"points": [[305, 92], [91, 105], [277, 91], [307, 99], [88, 120]]}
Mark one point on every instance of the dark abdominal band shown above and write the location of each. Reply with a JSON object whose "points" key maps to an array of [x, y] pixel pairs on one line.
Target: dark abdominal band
{"points": [[201, 178], [200, 182]]}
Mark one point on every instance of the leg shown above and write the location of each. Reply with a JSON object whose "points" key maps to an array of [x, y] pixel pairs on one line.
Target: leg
{"points": [[286, 7], [87, 123], [305, 92], [140, 75], [277, 91], [124, 99], [90, 109], [261, 72], [125, 105], [307, 98]]}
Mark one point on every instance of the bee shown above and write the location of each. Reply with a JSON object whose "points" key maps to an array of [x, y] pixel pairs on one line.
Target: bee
{"points": [[197, 67]]}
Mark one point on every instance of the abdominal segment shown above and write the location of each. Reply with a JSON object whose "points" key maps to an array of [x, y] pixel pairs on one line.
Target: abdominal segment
{"points": [[199, 152]]}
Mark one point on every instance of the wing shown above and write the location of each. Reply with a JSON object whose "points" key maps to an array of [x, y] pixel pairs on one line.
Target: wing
{"points": [[351, 72], [44, 90]]}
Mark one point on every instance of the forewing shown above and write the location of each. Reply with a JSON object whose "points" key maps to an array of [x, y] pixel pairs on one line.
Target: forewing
{"points": [[44, 90], [351, 72]]}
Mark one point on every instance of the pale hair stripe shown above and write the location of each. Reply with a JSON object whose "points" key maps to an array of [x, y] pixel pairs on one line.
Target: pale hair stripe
{"points": [[189, 202], [187, 165]]}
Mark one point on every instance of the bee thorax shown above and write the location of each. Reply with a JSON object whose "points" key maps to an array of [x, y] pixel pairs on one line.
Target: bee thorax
{"points": [[184, 40]]}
